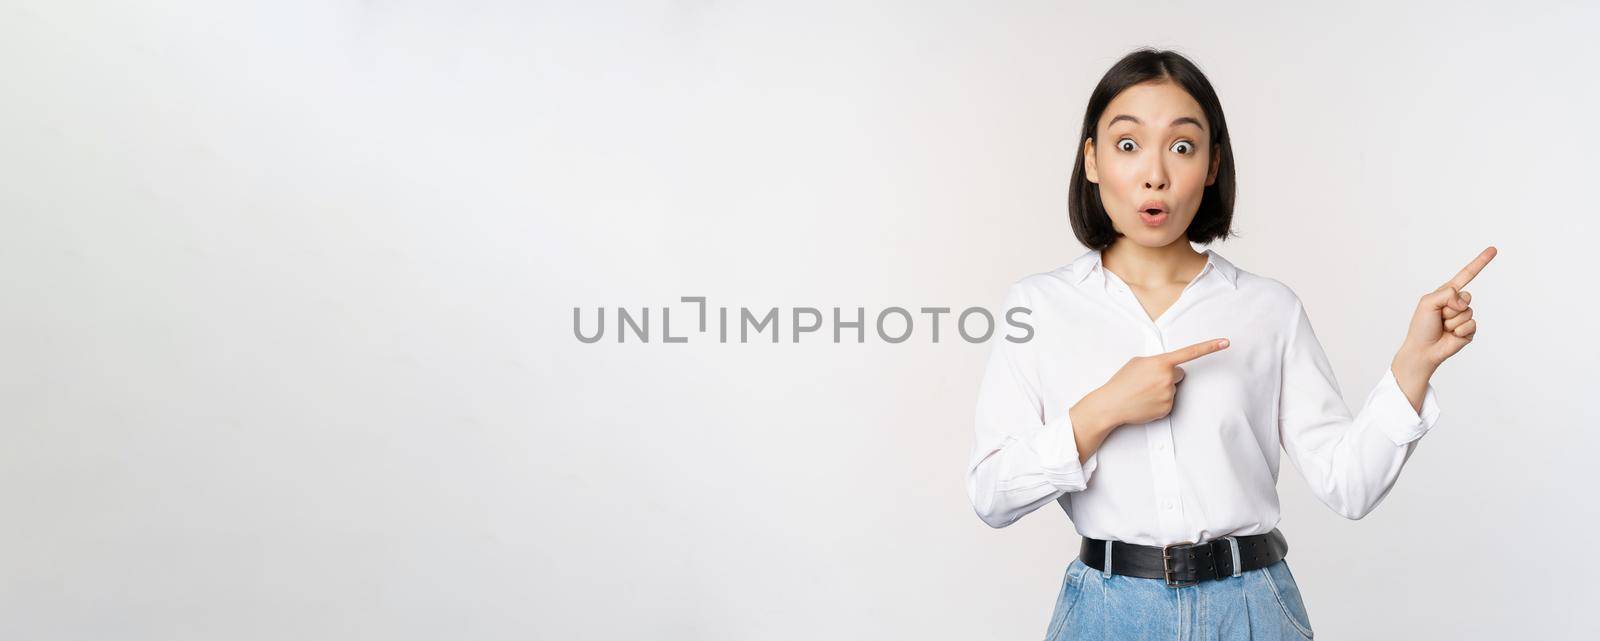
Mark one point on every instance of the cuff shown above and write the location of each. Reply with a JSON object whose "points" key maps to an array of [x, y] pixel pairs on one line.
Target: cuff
{"points": [[1057, 450], [1395, 416]]}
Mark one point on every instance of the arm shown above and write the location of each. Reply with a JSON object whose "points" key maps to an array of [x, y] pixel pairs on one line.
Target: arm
{"points": [[1020, 462], [1350, 463]]}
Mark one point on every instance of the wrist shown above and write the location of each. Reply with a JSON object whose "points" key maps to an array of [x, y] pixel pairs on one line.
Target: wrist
{"points": [[1409, 365], [1088, 415]]}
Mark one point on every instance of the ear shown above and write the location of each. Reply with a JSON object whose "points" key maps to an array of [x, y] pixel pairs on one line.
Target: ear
{"points": [[1089, 170], [1216, 162]]}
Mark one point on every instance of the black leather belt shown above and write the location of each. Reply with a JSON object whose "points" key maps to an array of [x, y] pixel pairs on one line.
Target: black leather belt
{"points": [[1184, 564]]}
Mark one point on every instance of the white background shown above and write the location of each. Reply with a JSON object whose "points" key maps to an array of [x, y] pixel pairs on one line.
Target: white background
{"points": [[286, 297]]}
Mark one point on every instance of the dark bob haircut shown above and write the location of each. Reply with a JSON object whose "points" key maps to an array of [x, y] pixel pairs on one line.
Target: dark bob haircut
{"points": [[1213, 221]]}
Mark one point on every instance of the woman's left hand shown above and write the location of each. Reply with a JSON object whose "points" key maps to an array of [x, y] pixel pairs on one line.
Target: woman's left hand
{"points": [[1443, 323]]}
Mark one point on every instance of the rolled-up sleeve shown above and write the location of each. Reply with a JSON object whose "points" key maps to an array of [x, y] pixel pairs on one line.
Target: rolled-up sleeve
{"points": [[1350, 462], [1020, 461]]}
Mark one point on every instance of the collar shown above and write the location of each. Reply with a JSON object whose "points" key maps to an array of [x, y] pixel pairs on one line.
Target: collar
{"points": [[1089, 263]]}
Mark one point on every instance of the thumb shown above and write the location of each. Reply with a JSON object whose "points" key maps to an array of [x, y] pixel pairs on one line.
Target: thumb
{"points": [[1443, 297]]}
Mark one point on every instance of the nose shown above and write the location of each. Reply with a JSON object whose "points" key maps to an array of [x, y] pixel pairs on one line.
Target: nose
{"points": [[1156, 174]]}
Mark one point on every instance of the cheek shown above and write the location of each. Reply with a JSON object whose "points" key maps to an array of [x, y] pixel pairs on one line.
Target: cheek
{"points": [[1190, 173], [1188, 182], [1117, 179]]}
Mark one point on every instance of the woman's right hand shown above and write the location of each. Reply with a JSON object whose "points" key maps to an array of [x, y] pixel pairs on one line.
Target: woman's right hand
{"points": [[1144, 389]]}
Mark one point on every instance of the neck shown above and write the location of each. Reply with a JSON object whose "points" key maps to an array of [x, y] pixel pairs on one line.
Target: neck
{"points": [[1141, 266]]}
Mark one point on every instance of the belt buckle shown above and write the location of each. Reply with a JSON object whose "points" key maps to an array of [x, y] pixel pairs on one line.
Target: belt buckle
{"points": [[1166, 566]]}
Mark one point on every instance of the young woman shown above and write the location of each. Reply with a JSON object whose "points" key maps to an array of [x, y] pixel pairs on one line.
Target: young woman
{"points": [[1161, 382]]}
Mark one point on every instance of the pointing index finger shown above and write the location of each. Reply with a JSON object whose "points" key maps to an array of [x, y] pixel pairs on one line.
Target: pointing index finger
{"points": [[1471, 270], [1186, 354]]}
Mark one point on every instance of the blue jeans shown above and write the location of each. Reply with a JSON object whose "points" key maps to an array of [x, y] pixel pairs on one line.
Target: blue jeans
{"points": [[1259, 604]]}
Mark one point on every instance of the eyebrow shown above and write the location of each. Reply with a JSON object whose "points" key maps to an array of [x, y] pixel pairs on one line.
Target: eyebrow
{"points": [[1175, 122]]}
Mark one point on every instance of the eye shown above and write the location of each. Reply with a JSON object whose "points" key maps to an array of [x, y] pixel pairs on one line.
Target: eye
{"points": [[1183, 147], [1127, 144]]}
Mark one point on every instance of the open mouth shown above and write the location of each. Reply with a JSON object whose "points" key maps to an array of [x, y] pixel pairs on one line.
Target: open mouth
{"points": [[1153, 213]]}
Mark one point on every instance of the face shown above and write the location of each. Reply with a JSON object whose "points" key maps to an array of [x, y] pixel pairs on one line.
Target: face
{"points": [[1153, 154]]}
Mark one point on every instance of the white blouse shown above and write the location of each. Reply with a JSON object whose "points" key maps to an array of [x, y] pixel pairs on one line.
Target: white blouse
{"points": [[1210, 467]]}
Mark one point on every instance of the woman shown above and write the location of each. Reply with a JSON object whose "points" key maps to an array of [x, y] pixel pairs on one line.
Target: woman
{"points": [[1161, 383]]}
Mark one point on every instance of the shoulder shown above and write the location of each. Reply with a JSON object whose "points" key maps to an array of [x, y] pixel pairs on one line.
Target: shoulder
{"points": [[1275, 291], [1280, 308], [1274, 301], [1276, 309], [1266, 290], [1041, 285], [1058, 282]]}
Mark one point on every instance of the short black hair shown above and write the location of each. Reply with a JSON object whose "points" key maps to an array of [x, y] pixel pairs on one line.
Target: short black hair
{"points": [[1088, 215]]}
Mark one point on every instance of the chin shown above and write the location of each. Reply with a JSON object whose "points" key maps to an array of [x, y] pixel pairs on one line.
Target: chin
{"points": [[1154, 237]]}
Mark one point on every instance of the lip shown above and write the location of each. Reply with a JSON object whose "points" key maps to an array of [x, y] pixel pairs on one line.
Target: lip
{"points": [[1153, 220]]}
